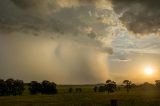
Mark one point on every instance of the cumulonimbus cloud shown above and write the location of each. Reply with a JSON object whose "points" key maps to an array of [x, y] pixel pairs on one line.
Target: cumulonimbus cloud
{"points": [[139, 16], [50, 16], [82, 28], [73, 24]]}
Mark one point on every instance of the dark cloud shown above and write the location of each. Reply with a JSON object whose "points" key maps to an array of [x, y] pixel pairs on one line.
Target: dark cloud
{"points": [[92, 34], [77, 51], [139, 16], [47, 15], [25, 4], [65, 17], [29, 16]]}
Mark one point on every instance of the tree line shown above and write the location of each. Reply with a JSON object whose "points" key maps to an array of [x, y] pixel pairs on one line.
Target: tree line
{"points": [[45, 87], [111, 86], [16, 87]]}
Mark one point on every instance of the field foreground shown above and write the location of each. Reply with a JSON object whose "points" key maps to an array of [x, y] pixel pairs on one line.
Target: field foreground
{"points": [[136, 97]]}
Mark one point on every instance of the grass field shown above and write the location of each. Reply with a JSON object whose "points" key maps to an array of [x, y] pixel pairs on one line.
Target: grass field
{"points": [[136, 97]]}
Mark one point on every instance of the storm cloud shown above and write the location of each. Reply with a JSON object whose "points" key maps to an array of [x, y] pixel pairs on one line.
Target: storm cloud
{"points": [[68, 41], [72, 18], [139, 16], [69, 37]]}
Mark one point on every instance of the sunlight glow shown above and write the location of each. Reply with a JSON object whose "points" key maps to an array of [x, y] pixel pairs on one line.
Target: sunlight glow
{"points": [[148, 70]]}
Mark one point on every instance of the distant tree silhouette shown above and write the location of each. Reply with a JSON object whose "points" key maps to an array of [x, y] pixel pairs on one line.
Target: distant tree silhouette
{"points": [[128, 85], [11, 87], [18, 87], [108, 81], [3, 87], [70, 90], [101, 88], [133, 85], [95, 88], [78, 90], [110, 86], [48, 87], [34, 87], [45, 87], [147, 85], [157, 83]]}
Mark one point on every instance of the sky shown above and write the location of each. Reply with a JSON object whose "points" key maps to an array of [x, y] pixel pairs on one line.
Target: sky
{"points": [[79, 41]]}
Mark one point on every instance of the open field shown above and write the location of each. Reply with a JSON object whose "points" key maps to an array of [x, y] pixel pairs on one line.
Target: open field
{"points": [[136, 97]]}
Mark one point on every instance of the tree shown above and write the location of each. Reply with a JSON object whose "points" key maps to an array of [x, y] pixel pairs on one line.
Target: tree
{"points": [[48, 87], [95, 88], [70, 90], [3, 87], [45, 87], [128, 85], [34, 87], [157, 83], [18, 87], [108, 81], [101, 89], [78, 90], [110, 86], [10, 88]]}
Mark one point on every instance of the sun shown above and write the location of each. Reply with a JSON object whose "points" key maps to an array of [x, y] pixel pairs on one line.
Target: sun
{"points": [[148, 71]]}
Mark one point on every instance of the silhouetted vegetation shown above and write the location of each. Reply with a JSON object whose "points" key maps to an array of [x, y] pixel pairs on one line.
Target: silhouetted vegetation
{"points": [[16, 87], [157, 83], [45, 87], [48, 87], [102, 88], [3, 86], [128, 85], [78, 90], [34, 87], [70, 90], [95, 88], [11, 87], [110, 86], [147, 85], [137, 97]]}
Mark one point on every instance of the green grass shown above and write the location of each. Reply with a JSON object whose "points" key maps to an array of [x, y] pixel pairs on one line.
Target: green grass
{"points": [[136, 97]]}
